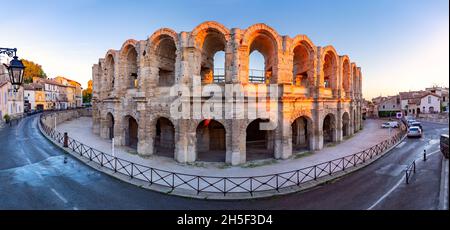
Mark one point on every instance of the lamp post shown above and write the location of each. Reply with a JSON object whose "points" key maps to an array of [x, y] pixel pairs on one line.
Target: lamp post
{"points": [[15, 68]]}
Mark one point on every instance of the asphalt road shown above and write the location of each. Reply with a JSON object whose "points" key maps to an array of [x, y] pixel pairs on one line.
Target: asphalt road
{"points": [[33, 176]]}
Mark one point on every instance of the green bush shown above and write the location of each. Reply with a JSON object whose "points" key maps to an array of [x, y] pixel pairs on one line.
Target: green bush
{"points": [[7, 118], [387, 113]]}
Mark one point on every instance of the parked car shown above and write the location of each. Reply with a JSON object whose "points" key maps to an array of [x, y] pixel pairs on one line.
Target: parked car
{"points": [[416, 124], [394, 124], [414, 132], [444, 145], [410, 122], [385, 125], [391, 124]]}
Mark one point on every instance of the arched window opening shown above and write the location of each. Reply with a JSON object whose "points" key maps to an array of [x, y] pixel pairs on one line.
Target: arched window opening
{"points": [[302, 64], [301, 134], [346, 77], [264, 44], [212, 69], [259, 143], [329, 129], [166, 58], [329, 67], [110, 72], [110, 125], [211, 144], [164, 144], [131, 132], [132, 69], [345, 125]]}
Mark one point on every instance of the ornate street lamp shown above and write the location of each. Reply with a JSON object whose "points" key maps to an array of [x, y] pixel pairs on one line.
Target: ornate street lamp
{"points": [[15, 68]]}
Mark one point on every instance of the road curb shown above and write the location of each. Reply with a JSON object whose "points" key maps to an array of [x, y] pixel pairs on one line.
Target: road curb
{"points": [[443, 192], [217, 196]]}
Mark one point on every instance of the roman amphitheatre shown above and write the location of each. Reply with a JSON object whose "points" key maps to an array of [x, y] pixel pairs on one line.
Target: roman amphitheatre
{"points": [[318, 94]]}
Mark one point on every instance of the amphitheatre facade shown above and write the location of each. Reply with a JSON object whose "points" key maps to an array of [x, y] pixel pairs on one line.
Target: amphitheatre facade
{"points": [[317, 98]]}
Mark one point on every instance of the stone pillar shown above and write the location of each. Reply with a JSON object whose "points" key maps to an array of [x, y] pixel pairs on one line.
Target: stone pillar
{"points": [[145, 137], [184, 142], [238, 139], [318, 130]]}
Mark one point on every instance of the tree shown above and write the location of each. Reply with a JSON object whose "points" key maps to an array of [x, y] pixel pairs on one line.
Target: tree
{"points": [[32, 70], [87, 95]]}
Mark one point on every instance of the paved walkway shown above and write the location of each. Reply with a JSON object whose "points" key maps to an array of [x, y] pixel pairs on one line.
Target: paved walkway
{"points": [[80, 129]]}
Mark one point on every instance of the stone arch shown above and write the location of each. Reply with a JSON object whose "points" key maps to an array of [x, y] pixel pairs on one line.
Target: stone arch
{"points": [[164, 139], [259, 143], [264, 39], [129, 58], [110, 71], [346, 75], [354, 78], [359, 81], [302, 133], [329, 68], [303, 53], [211, 141], [210, 38], [130, 129], [346, 124], [110, 125], [163, 51], [199, 33], [329, 128]]}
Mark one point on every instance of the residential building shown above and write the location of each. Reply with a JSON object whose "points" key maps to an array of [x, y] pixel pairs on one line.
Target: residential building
{"points": [[55, 93], [11, 102], [389, 106], [443, 94], [410, 102], [430, 103], [34, 97], [74, 91]]}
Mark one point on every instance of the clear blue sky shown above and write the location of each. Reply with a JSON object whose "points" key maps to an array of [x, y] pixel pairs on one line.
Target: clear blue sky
{"points": [[400, 44]]}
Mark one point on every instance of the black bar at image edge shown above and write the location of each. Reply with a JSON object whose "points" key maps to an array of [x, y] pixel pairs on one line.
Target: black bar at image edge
{"points": [[228, 219]]}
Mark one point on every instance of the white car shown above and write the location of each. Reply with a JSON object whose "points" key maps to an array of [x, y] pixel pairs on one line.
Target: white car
{"points": [[385, 125], [391, 124], [414, 132]]}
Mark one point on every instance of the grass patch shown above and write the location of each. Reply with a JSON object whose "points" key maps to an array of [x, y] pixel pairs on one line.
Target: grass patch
{"points": [[224, 166], [255, 164], [303, 154], [197, 164], [331, 144]]}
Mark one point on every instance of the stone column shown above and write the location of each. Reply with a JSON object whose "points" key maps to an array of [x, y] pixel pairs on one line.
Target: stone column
{"points": [[238, 139], [184, 142]]}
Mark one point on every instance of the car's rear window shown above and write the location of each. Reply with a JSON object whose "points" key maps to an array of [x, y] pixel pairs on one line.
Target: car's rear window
{"points": [[414, 128]]}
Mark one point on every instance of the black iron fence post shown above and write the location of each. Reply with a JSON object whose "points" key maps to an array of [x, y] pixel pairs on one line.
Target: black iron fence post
{"points": [[66, 140], [424, 155]]}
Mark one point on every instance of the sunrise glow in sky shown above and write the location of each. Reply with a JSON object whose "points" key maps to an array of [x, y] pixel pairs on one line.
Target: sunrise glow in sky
{"points": [[400, 44]]}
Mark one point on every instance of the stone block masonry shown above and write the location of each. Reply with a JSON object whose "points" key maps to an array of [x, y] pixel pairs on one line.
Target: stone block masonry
{"points": [[318, 99]]}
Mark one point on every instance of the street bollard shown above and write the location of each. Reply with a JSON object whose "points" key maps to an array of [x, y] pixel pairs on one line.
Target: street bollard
{"points": [[66, 140], [424, 155]]}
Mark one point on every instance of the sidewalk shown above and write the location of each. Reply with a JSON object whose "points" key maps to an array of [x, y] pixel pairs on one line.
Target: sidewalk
{"points": [[80, 129]]}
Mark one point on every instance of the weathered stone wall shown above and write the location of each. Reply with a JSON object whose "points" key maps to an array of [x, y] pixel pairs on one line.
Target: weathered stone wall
{"points": [[330, 84]]}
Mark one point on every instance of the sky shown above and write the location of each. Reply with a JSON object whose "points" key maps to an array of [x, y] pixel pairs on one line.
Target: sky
{"points": [[400, 45]]}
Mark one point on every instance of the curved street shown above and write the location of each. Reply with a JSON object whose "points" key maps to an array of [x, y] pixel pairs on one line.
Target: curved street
{"points": [[33, 175]]}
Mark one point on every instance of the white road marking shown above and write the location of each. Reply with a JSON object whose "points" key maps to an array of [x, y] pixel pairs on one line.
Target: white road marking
{"points": [[386, 194], [395, 186], [59, 195]]}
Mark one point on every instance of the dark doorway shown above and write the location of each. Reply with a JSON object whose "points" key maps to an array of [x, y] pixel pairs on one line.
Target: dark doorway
{"points": [[211, 144]]}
